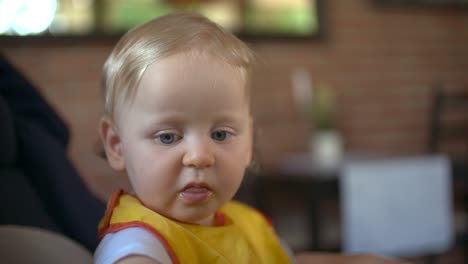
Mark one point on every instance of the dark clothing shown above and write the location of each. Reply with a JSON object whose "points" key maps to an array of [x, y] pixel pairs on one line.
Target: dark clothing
{"points": [[40, 185]]}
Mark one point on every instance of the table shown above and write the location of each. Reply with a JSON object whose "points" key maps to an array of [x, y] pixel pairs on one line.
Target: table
{"points": [[298, 174]]}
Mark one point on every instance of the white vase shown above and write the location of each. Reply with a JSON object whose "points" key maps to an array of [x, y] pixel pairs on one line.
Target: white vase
{"points": [[326, 150]]}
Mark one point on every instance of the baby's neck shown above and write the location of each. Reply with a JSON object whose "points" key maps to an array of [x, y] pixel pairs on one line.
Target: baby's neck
{"points": [[209, 221]]}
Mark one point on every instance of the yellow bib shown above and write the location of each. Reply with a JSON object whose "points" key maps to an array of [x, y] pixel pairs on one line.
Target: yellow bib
{"points": [[245, 236]]}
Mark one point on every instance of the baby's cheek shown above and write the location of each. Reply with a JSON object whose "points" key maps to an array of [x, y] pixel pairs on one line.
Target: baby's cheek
{"points": [[235, 176]]}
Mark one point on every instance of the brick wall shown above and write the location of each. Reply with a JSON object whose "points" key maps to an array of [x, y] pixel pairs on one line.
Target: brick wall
{"points": [[382, 63]]}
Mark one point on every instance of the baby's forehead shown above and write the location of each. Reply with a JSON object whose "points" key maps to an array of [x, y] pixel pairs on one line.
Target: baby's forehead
{"points": [[189, 68], [175, 75], [177, 67]]}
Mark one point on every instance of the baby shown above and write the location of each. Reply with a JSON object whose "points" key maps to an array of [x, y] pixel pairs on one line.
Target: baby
{"points": [[178, 122]]}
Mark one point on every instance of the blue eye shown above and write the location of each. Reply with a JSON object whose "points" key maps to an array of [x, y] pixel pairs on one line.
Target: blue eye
{"points": [[219, 135], [168, 138]]}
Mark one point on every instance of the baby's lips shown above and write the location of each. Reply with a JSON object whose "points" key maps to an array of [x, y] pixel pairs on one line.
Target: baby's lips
{"points": [[195, 190], [196, 186], [196, 193]]}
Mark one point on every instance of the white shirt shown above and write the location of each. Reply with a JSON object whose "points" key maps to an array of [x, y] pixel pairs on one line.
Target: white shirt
{"points": [[138, 241], [130, 241]]}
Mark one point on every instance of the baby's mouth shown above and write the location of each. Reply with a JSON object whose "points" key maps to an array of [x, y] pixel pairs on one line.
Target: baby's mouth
{"points": [[194, 193]]}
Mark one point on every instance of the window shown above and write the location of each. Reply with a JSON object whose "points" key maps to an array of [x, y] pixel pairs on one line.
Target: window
{"points": [[264, 18]]}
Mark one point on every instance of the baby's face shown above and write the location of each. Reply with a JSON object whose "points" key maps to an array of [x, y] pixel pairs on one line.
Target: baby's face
{"points": [[186, 139]]}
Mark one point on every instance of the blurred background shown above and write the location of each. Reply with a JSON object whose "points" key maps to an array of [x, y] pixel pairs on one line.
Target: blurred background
{"points": [[366, 78]]}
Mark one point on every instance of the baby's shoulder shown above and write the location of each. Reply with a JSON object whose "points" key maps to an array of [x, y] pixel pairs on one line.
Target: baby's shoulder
{"points": [[130, 241]]}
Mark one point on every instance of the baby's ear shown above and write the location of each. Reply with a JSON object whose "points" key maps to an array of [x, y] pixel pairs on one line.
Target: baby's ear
{"points": [[251, 136], [112, 144]]}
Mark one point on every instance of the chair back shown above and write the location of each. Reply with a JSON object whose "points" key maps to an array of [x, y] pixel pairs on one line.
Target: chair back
{"points": [[398, 207]]}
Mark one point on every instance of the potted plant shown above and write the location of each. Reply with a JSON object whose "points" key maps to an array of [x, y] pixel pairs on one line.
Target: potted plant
{"points": [[318, 104], [325, 145]]}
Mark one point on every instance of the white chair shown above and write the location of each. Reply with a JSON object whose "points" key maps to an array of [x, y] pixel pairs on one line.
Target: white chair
{"points": [[398, 207]]}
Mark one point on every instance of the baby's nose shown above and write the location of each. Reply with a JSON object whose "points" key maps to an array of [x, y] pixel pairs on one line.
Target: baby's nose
{"points": [[199, 155]]}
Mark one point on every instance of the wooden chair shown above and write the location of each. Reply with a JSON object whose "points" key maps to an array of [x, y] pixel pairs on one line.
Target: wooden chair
{"points": [[448, 134]]}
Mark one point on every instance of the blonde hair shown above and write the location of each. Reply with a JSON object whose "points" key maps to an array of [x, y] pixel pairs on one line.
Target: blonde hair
{"points": [[160, 38]]}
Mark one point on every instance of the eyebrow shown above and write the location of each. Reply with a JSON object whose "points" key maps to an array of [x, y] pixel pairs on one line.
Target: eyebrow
{"points": [[178, 118], [227, 118], [169, 119]]}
